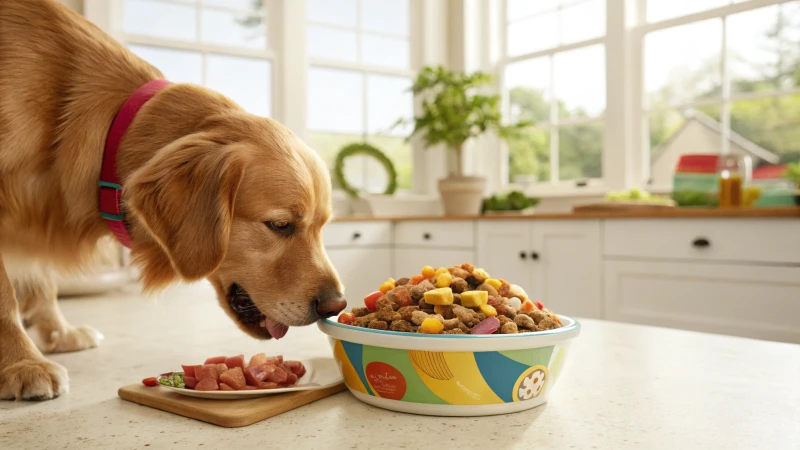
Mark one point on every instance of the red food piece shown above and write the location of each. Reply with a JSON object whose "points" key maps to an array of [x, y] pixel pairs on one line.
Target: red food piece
{"points": [[402, 297], [225, 387], [278, 375], [371, 300], [255, 375], [205, 372], [296, 367], [291, 379], [221, 368], [487, 326], [235, 361], [417, 279], [249, 388], [188, 371], [209, 384], [276, 360], [190, 382], [215, 360], [267, 385], [257, 360], [151, 381], [234, 378], [347, 318], [539, 305]]}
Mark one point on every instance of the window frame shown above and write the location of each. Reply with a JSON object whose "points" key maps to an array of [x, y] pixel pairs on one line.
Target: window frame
{"points": [[641, 28], [554, 123]]}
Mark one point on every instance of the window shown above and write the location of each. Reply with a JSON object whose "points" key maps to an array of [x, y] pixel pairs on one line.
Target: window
{"points": [[358, 83], [720, 76], [221, 44], [554, 73]]}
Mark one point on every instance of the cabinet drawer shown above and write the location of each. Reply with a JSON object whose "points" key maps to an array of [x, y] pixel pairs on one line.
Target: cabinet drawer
{"points": [[450, 234], [745, 240], [761, 302], [349, 234]]}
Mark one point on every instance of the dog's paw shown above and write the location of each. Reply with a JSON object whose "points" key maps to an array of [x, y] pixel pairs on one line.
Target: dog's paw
{"points": [[73, 339], [33, 379]]}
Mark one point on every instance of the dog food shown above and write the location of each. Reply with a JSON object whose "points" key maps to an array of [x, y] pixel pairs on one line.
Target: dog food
{"points": [[457, 300], [229, 373]]}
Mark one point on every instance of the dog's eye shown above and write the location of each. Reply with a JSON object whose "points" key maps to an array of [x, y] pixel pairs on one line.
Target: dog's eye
{"points": [[280, 226]]}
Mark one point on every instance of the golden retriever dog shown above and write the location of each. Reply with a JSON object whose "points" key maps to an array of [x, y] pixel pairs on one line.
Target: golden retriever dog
{"points": [[208, 191]]}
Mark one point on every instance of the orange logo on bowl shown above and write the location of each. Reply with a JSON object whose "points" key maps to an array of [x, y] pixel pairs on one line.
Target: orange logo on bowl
{"points": [[386, 381]]}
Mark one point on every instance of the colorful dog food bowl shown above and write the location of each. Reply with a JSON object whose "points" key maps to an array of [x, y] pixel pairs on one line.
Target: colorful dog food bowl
{"points": [[450, 375]]}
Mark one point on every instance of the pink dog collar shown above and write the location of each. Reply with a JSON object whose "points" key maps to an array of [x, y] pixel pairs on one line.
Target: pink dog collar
{"points": [[110, 188]]}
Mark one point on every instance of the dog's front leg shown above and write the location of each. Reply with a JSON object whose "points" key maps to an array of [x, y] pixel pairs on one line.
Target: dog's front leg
{"points": [[37, 295], [24, 372]]}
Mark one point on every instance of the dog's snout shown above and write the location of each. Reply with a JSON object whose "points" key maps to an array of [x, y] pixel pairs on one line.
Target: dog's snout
{"points": [[330, 303]]}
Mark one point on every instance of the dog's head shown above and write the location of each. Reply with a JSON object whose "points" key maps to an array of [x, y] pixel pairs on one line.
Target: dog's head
{"points": [[241, 203]]}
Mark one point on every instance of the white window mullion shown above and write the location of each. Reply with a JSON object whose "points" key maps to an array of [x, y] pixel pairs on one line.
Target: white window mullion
{"points": [[725, 108]]}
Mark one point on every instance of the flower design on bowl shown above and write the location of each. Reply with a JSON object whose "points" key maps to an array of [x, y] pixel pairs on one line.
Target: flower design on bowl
{"points": [[531, 386]]}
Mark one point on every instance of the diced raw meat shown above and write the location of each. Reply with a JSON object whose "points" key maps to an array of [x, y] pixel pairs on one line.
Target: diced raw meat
{"points": [[296, 367], [188, 371], [209, 384], [190, 382], [277, 360], [234, 378], [255, 375], [221, 368], [208, 371], [257, 360], [215, 360], [278, 376], [249, 388], [291, 379], [235, 361], [225, 387], [267, 385]]}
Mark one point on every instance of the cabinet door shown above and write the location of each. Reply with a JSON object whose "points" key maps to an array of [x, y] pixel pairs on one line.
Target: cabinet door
{"points": [[504, 250], [410, 261], [567, 267], [361, 270], [760, 302]]}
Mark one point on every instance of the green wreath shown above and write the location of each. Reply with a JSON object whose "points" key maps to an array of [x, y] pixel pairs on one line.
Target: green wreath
{"points": [[363, 148]]}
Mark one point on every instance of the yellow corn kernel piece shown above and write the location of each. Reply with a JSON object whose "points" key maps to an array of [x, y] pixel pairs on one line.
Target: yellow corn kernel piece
{"points": [[444, 280], [440, 309], [387, 285], [427, 271], [480, 274], [431, 326], [442, 296], [488, 310], [441, 270], [495, 283], [473, 299]]}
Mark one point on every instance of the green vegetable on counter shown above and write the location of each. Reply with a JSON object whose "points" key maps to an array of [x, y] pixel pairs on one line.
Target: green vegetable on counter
{"points": [[513, 201]]}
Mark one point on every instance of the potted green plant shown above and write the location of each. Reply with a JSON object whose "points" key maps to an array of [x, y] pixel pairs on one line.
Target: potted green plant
{"points": [[454, 110]]}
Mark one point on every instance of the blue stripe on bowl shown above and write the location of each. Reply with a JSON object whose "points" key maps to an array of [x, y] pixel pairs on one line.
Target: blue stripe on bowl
{"points": [[500, 373]]}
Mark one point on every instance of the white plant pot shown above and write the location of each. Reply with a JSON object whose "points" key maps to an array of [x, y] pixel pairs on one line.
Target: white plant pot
{"points": [[462, 195]]}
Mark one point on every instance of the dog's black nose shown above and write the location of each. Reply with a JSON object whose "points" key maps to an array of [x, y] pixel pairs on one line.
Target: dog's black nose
{"points": [[330, 303]]}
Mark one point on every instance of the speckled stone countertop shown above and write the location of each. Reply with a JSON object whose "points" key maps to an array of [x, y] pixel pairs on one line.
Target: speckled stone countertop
{"points": [[624, 386]]}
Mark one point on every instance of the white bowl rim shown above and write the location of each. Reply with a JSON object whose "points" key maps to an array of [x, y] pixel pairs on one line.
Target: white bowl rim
{"points": [[450, 342]]}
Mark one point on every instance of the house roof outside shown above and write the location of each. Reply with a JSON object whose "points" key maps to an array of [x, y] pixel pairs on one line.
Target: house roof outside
{"points": [[749, 146]]}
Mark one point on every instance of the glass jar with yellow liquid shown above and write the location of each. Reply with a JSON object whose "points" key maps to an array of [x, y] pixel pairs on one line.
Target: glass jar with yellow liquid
{"points": [[734, 172]]}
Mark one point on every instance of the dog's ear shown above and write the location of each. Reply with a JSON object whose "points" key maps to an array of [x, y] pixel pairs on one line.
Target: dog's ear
{"points": [[184, 196]]}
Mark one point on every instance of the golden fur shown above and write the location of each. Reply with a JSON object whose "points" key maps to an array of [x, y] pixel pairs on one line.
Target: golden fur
{"points": [[201, 179]]}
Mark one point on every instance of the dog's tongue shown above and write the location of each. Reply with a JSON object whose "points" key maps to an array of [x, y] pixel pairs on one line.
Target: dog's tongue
{"points": [[276, 329]]}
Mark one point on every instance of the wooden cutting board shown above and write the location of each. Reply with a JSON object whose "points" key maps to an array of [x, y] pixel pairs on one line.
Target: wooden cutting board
{"points": [[611, 207], [225, 413]]}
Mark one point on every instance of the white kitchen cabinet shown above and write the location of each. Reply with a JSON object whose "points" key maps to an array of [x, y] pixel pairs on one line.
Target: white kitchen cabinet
{"points": [[503, 250], [410, 261], [556, 262], [567, 266], [746, 300], [361, 270]]}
